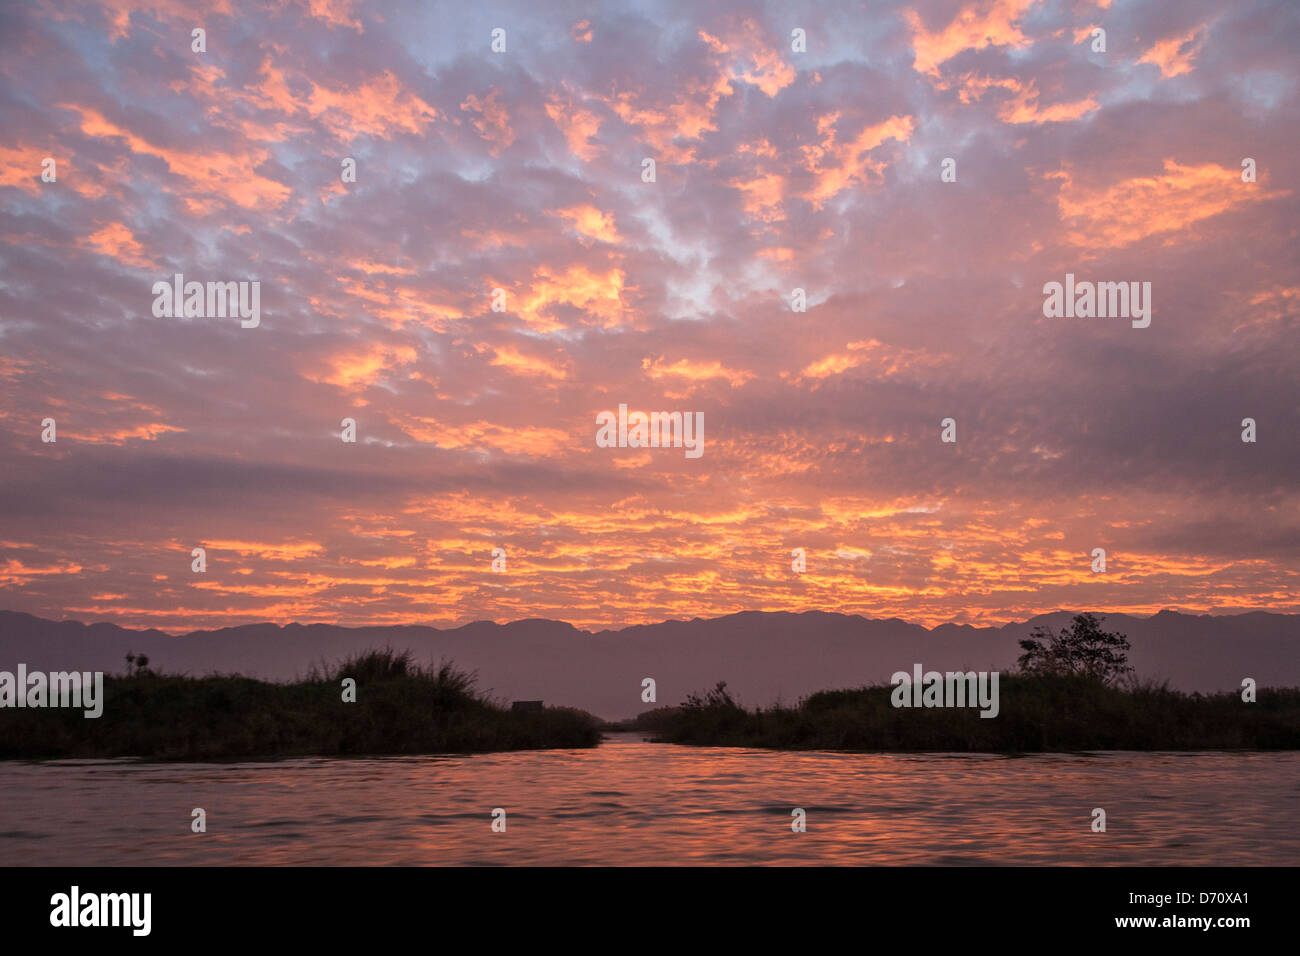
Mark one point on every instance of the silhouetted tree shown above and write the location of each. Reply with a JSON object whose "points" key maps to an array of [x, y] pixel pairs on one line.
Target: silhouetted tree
{"points": [[1083, 649]]}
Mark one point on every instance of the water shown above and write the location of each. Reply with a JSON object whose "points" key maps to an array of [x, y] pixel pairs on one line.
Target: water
{"points": [[633, 802]]}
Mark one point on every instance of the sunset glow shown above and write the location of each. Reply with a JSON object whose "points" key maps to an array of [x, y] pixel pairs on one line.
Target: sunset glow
{"points": [[523, 172]]}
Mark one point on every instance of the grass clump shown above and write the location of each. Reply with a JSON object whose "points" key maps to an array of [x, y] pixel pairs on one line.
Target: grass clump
{"points": [[1038, 712], [400, 707]]}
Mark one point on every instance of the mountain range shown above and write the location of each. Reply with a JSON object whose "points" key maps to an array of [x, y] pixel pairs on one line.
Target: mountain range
{"points": [[763, 656]]}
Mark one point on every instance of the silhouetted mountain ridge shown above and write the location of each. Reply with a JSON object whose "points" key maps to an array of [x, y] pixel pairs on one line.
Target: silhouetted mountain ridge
{"points": [[763, 655]]}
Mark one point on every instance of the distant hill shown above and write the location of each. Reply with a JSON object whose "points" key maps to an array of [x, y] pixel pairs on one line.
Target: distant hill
{"points": [[762, 656]]}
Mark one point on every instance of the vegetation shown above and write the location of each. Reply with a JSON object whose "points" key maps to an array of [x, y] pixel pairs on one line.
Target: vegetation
{"points": [[1083, 649], [400, 708], [1039, 712], [1068, 696]]}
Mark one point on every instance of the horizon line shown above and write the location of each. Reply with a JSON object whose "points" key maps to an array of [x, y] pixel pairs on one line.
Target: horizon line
{"points": [[671, 620]]}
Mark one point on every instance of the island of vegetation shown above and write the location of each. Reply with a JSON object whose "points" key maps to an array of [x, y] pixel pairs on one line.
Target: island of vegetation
{"points": [[397, 707], [1073, 691]]}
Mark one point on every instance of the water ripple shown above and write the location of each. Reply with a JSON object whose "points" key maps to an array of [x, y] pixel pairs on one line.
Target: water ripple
{"points": [[633, 802]]}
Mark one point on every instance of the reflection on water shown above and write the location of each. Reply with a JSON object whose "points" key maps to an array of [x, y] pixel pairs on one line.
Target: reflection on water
{"points": [[633, 802]]}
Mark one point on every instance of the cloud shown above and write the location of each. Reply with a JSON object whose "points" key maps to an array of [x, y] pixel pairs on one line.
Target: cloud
{"points": [[592, 223], [522, 172], [836, 164], [1175, 55], [977, 24], [1128, 210]]}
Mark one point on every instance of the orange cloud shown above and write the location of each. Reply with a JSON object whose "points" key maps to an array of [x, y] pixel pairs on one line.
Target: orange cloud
{"points": [[336, 13], [20, 166], [753, 61], [119, 12], [532, 441], [370, 268], [273, 92], [598, 294], [688, 117], [116, 241], [837, 166], [378, 107], [696, 371], [762, 195], [515, 361], [973, 87], [1133, 209], [285, 551], [14, 572], [1174, 55], [1273, 305], [11, 369], [1024, 108], [577, 124], [149, 431], [357, 369], [493, 123], [976, 25], [591, 222], [227, 175], [886, 361], [399, 306]]}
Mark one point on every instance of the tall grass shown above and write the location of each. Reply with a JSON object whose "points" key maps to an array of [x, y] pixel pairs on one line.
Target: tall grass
{"points": [[1038, 713], [401, 708]]}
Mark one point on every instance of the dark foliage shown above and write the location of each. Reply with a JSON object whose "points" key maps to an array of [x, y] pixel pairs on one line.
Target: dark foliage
{"points": [[400, 708]]}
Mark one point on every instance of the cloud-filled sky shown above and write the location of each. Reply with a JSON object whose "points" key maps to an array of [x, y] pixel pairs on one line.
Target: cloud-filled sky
{"points": [[522, 170]]}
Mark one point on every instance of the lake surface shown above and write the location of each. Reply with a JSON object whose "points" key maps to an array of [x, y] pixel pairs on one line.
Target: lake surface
{"points": [[633, 802]]}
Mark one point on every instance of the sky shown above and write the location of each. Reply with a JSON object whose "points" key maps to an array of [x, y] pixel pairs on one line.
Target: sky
{"points": [[524, 170]]}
